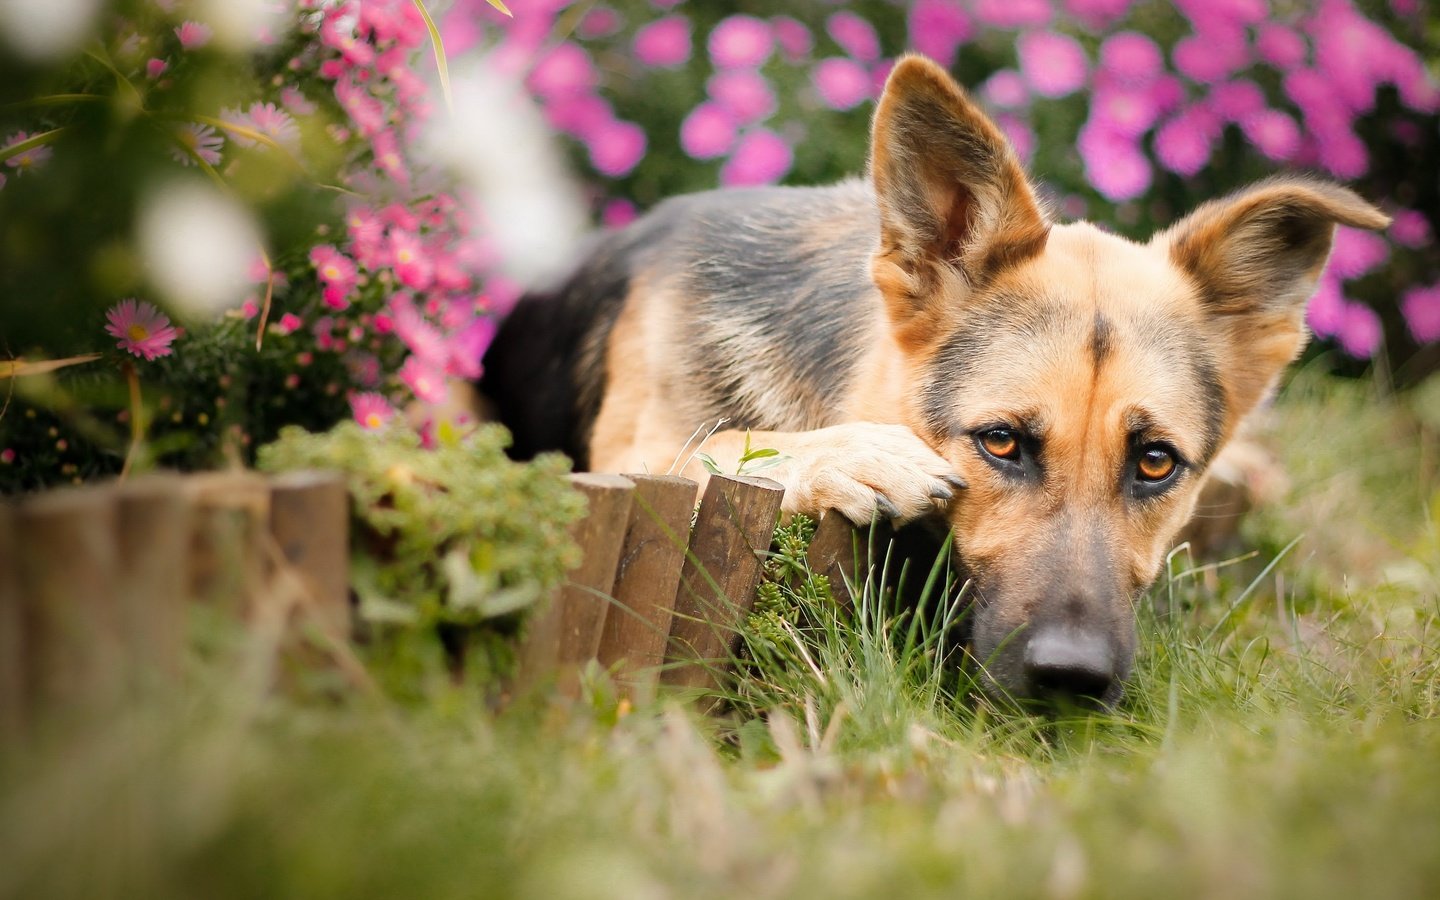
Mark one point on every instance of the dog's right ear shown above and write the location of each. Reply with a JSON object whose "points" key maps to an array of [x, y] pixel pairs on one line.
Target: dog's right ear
{"points": [[955, 205]]}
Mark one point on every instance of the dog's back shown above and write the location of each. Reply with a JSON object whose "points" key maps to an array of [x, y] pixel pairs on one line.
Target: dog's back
{"points": [[761, 299]]}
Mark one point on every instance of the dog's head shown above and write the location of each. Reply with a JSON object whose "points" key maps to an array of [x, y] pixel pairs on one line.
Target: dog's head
{"points": [[1080, 383]]}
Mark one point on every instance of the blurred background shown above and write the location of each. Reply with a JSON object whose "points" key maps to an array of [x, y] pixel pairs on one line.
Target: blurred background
{"points": [[320, 209]]}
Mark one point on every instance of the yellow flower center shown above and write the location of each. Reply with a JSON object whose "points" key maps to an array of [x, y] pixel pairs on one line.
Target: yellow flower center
{"points": [[332, 272], [404, 256], [137, 332], [373, 421]]}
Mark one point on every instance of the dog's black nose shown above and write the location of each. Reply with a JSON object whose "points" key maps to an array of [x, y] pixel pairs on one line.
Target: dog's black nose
{"points": [[1066, 663]]}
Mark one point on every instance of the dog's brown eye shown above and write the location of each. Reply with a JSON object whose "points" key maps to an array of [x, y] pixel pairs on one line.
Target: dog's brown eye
{"points": [[1001, 443], [1156, 464]]}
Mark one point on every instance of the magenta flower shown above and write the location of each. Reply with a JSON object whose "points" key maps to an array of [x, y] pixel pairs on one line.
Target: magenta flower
{"points": [[1341, 152], [708, 131], [1053, 64], [842, 83], [1235, 100], [1097, 14], [617, 148], [297, 102], [372, 411], [854, 35], [1114, 164], [417, 333], [289, 323], [197, 140], [1356, 253], [761, 157], [581, 115], [567, 68], [937, 28], [741, 40], [1410, 228], [142, 329], [1280, 47], [1360, 332], [338, 275], [618, 214], [664, 43], [1131, 58], [793, 37], [1013, 13], [1021, 137], [1211, 56], [1421, 307], [26, 161], [1183, 144], [467, 347], [1006, 90], [425, 381], [744, 92], [1127, 111], [599, 22], [412, 265], [154, 68], [1326, 310], [193, 35], [1273, 133]]}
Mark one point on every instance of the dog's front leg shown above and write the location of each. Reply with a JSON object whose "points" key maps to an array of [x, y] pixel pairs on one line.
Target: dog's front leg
{"points": [[856, 469]]}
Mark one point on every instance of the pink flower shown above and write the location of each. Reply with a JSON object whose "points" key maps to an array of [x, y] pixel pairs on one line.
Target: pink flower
{"points": [[1184, 143], [1273, 133], [740, 41], [467, 347], [567, 68], [1410, 229], [708, 131], [854, 35], [1019, 134], [1125, 111], [1053, 64], [1013, 13], [297, 102], [142, 329], [289, 323], [193, 35], [1360, 332], [1131, 58], [842, 83], [417, 333], [1212, 55], [1356, 252], [744, 92], [270, 120], [154, 68], [1097, 14], [30, 158], [388, 158], [579, 114], [761, 157], [1235, 100], [365, 111], [617, 149], [425, 381], [794, 38], [1114, 164], [7, 456], [412, 265], [1006, 90], [618, 214], [1280, 47], [197, 140], [372, 411], [1421, 307], [1341, 151], [937, 29], [599, 22], [1326, 310], [664, 43]]}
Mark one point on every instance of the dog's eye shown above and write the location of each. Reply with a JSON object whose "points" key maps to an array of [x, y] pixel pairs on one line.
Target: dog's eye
{"points": [[1156, 464], [1001, 443]]}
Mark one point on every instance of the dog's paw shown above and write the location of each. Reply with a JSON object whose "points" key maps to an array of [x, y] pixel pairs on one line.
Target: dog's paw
{"points": [[862, 470]]}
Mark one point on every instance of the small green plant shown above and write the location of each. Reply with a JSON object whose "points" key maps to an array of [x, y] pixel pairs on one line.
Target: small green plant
{"points": [[456, 541], [751, 460]]}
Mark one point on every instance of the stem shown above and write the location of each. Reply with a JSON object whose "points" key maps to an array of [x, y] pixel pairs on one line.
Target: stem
{"points": [[30, 143], [137, 418]]}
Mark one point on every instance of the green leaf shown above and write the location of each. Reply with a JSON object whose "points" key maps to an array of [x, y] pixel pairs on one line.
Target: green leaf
{"points": [[437, 45], [759, 454], [709, 463]]}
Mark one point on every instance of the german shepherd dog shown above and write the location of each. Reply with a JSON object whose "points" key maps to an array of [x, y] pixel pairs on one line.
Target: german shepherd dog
{"points": [[930, 342]]}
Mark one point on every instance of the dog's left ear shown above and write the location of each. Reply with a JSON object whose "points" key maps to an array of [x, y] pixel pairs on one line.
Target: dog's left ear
{"points": [[1254, 258], [954, 201]]}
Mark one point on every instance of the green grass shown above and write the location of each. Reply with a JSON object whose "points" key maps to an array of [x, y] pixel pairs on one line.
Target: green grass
{"points": [[1280, 739]]}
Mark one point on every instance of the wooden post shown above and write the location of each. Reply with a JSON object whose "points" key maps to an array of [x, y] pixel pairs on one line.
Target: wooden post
{"points": [[153, 528], [13, 708], [65, 547], [565, 635], [717, 585], [310, 520], [633, 643], [841, 552], [231, 523]]}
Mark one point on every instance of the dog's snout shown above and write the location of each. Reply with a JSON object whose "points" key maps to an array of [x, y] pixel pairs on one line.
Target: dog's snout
{"points": [[1070, 663]]}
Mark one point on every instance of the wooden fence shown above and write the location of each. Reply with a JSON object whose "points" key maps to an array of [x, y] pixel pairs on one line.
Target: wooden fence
{"points": [[95, 582]]}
